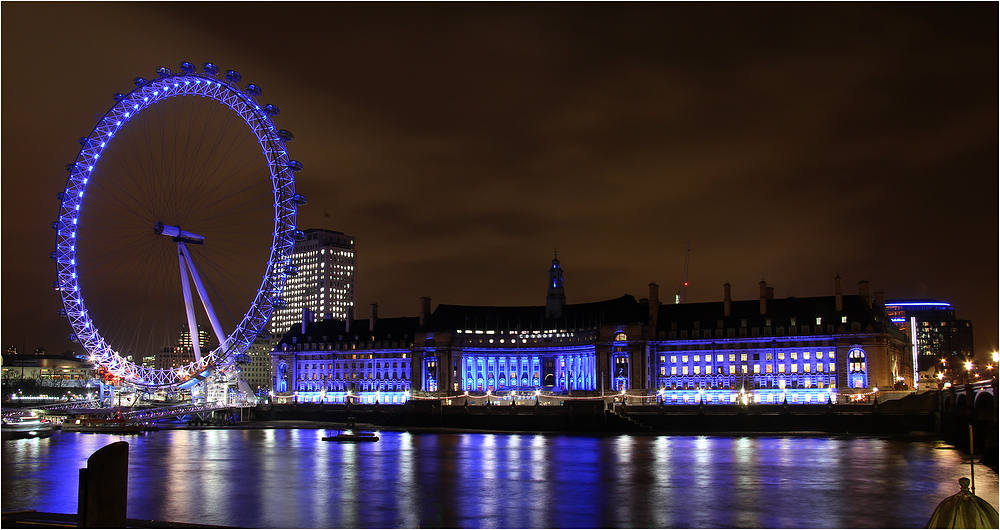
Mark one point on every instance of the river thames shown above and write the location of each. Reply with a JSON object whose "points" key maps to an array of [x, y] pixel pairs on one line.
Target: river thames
{"points": [[290, 478]]}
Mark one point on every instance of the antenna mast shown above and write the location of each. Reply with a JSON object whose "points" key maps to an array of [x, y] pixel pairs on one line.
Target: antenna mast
{"points": [[682, 290]]}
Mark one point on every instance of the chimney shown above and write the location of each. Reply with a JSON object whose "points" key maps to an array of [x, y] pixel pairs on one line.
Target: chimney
{"points": [[840, 295], [425, 310], [763, 297], [374, 318], [880, 299], [864, 290], [350, 319], [654, 303], [770, 293], [306, 318], [727, 300]]}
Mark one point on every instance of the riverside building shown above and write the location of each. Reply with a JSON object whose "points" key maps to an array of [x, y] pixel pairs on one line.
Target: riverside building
{"points": [[794, 350]]}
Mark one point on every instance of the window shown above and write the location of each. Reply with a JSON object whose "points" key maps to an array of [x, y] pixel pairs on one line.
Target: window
{"points": [[843, 320], [697, 370], [732, 369], [756, 368], [794, 356], [768, 368], [795, 368], [744, 369], [697, 358], [805, 355], [684, 370], [663, 370], [718, 358], [767, 356], [781, 368], [732, 357], [819, 321], [673, 358], [684, 358], [743, 357], [673, 370]]}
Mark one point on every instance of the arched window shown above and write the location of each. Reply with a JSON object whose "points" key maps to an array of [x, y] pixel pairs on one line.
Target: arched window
{"points": [[620, 336], [857, 368]]}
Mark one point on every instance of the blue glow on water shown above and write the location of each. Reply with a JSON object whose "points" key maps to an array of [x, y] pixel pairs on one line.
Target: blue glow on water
{"points": [[292, 479]]}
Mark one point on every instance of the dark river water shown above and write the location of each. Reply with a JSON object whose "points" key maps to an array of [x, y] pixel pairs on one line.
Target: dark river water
{"points": [[289, 478]]}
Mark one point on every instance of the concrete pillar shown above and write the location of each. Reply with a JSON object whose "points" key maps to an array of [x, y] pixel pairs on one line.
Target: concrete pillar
{"points": [[104, 488]]}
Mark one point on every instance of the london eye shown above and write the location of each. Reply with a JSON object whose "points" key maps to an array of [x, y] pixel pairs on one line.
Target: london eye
{"points": [[177, 219]]}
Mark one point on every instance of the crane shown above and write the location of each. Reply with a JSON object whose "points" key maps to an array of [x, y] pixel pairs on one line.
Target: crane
{"points": [[682, 290]]}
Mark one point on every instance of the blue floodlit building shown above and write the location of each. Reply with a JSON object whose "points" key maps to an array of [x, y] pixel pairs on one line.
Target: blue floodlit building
{"points": [[799, 350]]}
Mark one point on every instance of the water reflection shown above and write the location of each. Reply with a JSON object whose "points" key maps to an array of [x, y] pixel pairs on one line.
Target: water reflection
{"points": [[291, 478]]}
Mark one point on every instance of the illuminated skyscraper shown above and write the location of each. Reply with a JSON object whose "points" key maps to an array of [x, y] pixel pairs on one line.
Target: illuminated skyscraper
{"points": [[323, 284], [935, 332]]}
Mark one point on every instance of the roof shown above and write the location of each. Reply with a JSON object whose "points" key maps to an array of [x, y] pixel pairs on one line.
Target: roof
{"points": [[620, 310], [779, 311], [335, 330]]}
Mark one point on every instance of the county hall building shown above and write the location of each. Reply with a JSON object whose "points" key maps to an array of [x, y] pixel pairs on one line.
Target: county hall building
{"points": [[766, 350]]}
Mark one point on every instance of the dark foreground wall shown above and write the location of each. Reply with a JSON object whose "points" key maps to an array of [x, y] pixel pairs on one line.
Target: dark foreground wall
{"points": [[591, 416]]}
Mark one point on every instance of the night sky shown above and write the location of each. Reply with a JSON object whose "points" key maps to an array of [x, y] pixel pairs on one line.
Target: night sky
{"points": [[462, 143]]}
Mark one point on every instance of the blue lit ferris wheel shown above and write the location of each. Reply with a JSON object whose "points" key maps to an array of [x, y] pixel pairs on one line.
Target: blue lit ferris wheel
{"points": [[183, 190]]}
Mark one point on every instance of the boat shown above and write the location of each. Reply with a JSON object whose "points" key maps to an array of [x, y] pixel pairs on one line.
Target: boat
{"points": [[105, 425], [349, 435], [27, 426]]}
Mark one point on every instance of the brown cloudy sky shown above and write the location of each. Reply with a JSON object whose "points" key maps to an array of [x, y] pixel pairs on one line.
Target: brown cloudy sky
{"points": [[461, 143]]}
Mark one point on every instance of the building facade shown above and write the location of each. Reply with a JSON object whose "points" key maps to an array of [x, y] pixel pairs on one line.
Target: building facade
{"points": [[323, 281], [795, 350]]}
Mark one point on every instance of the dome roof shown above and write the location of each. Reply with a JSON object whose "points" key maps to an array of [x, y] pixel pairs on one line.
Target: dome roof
{"points": [[964, 510]]}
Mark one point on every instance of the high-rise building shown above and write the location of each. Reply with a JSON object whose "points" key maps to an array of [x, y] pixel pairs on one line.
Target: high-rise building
{"points": [[323, 283], [183, 352], [935, 333], [321, 289]]}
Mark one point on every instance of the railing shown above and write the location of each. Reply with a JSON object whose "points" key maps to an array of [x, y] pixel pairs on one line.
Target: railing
{"points": [[175, 410]]}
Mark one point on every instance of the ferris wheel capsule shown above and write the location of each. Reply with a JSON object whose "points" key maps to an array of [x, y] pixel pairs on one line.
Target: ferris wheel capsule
{"points": [[210, 68], [163, 71], [188, 68]]}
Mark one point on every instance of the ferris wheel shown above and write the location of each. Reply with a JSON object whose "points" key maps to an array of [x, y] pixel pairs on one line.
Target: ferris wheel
{"points": [[183, 191]]}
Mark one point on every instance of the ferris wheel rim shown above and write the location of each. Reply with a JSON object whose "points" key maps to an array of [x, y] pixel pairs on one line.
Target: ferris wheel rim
{"points": [[271, 140]]}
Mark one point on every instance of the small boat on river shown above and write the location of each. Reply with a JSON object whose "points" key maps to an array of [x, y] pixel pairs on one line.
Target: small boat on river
{"points": [[105, 425], [350, 435], [27, 426]]}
